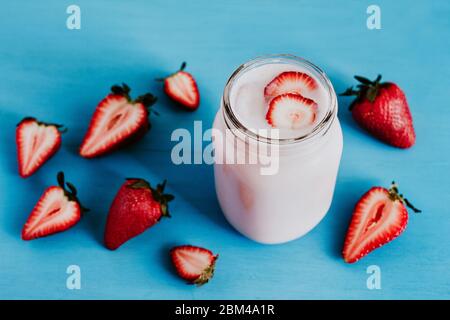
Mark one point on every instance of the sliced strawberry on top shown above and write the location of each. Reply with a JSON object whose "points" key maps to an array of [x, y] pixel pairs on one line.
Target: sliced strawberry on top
{"points": [[57, 210], [291, 110], [379, 217], [194, 264], [290, 82], [36, 143], [182, 88], [117, 120]]}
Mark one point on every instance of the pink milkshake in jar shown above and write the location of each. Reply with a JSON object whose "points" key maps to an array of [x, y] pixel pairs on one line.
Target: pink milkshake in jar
{"points": [[278, 144]]}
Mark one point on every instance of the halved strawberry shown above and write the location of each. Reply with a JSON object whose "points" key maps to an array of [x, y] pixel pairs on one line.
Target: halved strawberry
{"points": [[57, 210], [194, 264], [290, 82], [379, 217], [182, 88], [291, 110], [36, 143], [118, 120]]}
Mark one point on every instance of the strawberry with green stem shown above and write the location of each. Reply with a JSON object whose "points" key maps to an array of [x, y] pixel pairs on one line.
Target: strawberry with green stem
{"points": [[378, 218], [182, 88], [136, 207], [117, 121], [194, 264], [381, 109], [57, 210], [36, 142]]}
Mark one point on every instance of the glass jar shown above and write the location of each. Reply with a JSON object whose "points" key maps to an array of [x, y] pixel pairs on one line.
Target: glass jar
{"points": [[287, 191]]}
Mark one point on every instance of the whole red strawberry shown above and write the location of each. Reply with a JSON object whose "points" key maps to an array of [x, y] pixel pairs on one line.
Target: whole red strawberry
{"points": [[381, 108], [136, 207], [379, 216]]}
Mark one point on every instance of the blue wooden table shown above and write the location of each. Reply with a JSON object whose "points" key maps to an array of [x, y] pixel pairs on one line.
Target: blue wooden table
{"points": [[58, 75]]}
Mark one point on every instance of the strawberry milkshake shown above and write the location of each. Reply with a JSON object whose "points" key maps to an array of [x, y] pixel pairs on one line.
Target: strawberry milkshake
{"points": [[278, 144]]}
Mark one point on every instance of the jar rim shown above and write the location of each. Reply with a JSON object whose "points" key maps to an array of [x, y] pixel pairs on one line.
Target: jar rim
{"points": [[232, 122]]}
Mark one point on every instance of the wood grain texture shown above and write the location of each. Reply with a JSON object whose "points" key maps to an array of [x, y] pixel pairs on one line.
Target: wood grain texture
{"points": [[59, 75]]}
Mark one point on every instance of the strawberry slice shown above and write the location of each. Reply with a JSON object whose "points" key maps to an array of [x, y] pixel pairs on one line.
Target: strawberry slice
{"points": [[182, 88], [118, 120], [291, 110], [379, 217], [36, 143], [194, 264], [290, 82], [57, 210]]}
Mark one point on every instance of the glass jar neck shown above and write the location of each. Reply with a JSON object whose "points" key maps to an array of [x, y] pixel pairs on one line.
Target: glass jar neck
{"points": [[242, 132]]}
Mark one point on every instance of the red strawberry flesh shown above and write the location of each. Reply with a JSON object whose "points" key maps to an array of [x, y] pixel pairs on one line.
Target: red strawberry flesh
{"points": [[57, 210], [194, 264], [291, 111], [118, 120], [114, 120], [36, 143], [182, 88], [290, 82], [53, 213], [379, 217]]}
